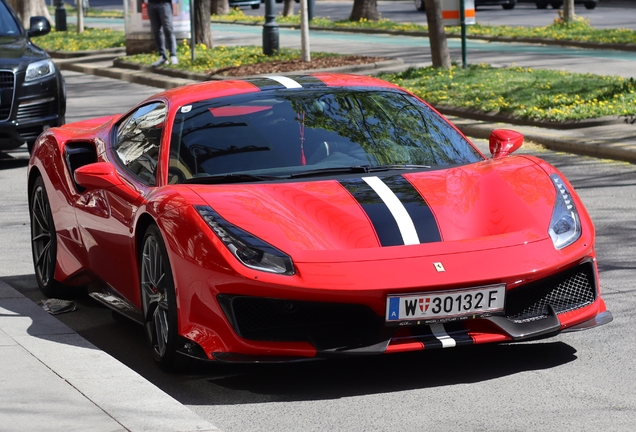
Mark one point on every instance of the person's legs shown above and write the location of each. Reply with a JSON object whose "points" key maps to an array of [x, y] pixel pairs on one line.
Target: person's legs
{"points": [[155, 17], [168, 31]]}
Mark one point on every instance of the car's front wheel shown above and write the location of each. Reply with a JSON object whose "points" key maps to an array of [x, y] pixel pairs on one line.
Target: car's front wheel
{"points": [[589, 5], [510, 5], [158, 299], [44, 241]]}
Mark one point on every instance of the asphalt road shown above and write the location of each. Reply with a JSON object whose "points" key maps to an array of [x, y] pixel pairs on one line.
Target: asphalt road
{"points": [[579, 381], [608, 14]]}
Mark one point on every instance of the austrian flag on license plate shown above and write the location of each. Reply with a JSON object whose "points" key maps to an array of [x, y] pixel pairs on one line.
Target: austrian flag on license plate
{"points": [[445, 304]]}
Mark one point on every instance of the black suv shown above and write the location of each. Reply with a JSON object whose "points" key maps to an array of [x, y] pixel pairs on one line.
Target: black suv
{"points": [[32, 89]]}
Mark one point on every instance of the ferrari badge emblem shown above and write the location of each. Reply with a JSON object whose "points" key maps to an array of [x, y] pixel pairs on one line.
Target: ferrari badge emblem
{"points": [[439, 267]]}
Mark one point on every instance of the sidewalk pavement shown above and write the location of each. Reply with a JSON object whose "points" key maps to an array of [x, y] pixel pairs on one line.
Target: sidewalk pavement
{"points": [[54, 380], [71, 385]]}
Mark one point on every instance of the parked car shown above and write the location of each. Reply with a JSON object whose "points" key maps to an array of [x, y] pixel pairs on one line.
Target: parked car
{"points": [[506, 4], [32, 89], [286, 218], [254, 4], [556, 4]]}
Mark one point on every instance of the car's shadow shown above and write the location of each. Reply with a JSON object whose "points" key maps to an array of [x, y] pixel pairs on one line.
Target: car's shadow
{"points": [[13, 160], [334, 379], [212, 383]]}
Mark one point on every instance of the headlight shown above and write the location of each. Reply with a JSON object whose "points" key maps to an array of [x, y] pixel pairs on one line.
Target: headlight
{"points": [[39, 69], [249, 250], [565, 226]]}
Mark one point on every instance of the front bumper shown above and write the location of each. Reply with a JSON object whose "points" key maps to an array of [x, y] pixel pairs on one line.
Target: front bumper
{"points": [[27, 109], [566, 301]]}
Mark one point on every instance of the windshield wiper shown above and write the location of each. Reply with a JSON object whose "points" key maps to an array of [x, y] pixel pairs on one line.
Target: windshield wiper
{"points": [[229, 178], [335, 170], [361, 169], [396, 167]]}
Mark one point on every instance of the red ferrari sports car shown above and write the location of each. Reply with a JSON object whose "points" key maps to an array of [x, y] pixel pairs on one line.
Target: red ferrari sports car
{"points": [[296, 217]]}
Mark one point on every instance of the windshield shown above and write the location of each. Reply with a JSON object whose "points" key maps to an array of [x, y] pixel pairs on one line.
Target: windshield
{"points": [[8, 26], [288, 134]]}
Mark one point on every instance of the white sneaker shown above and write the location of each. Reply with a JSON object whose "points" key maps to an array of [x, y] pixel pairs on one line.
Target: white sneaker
{"points": [[174, 60], [159, 62]]}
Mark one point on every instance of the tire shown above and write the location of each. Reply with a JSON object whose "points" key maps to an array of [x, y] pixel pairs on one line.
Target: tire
{"points": [[508, 6], [542, 5], [589, 5], [158, 299], [420, 5], [256, 6], [44, 242], [556, 5]]}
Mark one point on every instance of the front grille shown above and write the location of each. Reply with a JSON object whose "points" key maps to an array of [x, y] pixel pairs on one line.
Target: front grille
{"points": [[570, 290], [325, 325], [7, 86], [35, 111]]}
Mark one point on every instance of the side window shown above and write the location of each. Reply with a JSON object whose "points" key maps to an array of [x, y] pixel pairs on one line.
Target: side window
{"points": [[138, 140]]}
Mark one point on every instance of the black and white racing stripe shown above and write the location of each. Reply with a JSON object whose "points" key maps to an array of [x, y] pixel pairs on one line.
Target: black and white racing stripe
{"points": [[447, 335], [399, 214], [279, 81]]}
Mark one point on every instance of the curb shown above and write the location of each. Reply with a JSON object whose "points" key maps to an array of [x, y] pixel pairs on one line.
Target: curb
{"points": [[585, 143], [361, 68], [507, 118]]}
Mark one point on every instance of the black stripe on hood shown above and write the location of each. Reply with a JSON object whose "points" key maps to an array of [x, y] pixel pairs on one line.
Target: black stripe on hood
{"points": [[385, 224]]}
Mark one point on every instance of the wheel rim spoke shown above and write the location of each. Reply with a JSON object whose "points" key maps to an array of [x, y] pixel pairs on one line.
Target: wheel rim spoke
{"points": [[154, 299], [41, 236]]}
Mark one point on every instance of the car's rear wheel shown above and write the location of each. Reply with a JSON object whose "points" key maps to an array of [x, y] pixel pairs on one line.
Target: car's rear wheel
{"points": [[542, 5], [589, 5], [44, 241], [420, 5], [256, 6], [158, 299], [556, 5], [509, 6]]}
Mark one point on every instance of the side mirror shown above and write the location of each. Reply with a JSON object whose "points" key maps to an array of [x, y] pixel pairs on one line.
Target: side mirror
{"points": [[102, 175], [38, 26], [504, 141]]}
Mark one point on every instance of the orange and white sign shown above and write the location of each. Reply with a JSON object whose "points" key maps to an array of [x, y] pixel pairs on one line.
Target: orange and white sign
{"points": [[450, 12]]}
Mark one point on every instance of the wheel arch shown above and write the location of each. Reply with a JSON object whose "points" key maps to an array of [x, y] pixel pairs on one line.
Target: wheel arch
{"points": [[34, 173]]}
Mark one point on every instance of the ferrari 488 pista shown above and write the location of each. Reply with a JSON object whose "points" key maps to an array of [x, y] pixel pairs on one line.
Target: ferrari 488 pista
{"points": [[299, 217]]}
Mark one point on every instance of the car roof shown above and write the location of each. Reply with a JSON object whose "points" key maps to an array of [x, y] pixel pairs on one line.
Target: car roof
{"points": [[215, 89]]}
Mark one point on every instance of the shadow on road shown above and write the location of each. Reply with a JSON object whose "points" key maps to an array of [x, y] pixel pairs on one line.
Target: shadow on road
{"points": [[15, 160], [223, 384]]}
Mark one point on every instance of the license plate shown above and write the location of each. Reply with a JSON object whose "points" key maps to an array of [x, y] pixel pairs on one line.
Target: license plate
{"points": [[445, 304]]}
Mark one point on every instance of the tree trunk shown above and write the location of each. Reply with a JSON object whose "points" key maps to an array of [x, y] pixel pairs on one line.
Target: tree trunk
{"points": [[220, 7], [568, 11], [288, 8], [203, 29], [367, 9], [28, 8], [436, 35]]}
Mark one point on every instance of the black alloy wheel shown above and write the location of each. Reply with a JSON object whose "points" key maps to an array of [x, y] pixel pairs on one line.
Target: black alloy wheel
{"points": [[44, 241], [158, 299]]}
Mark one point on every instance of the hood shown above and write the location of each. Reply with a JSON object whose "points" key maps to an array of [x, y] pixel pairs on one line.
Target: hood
{"points": [[495, 203], [16, 52]]}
